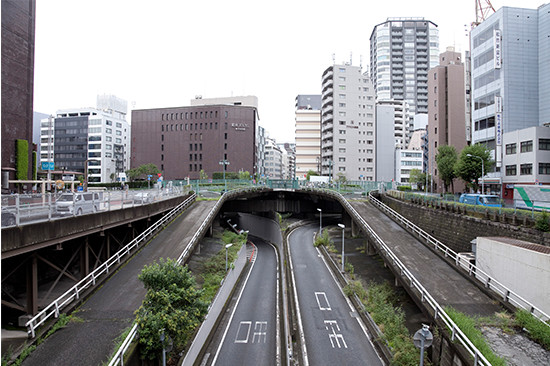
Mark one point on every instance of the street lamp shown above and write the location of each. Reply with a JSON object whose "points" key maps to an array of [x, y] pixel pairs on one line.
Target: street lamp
{"points": [[482, 172], [343, 227], [320, 221], [226, 248], [422, 339], [224, 163]]}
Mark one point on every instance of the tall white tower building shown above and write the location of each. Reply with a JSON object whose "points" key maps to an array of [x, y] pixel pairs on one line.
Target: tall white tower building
{"points": [[347, 123]]}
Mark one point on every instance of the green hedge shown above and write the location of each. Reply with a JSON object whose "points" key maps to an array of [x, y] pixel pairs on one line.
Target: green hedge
{"points": [[21, 159], [34, 161]]}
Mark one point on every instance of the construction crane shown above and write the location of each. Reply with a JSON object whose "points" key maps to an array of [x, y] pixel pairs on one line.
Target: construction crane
{"points": [[483, 10]]}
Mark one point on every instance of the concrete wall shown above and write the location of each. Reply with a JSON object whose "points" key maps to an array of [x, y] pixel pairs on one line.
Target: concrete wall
{"points": [[516, 266], [457, 230]]}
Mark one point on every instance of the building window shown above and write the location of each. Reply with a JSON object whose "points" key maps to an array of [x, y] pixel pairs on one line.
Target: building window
{"points": [[526, 169], [544, 168], [190, 147], [544, 144], [526, 146], [511, 149], [511, 170]]}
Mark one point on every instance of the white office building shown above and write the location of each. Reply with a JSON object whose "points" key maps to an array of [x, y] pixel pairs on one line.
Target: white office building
{"points": [[98, 138], [308, 135], [347, 123]]}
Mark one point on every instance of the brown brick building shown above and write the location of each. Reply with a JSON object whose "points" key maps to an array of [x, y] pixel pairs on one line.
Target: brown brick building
{"points": [[182, 141], [18, 19]]}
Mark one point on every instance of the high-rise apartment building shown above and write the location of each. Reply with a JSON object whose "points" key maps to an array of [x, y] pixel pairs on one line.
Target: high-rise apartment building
{"points": [[402, 50], [347, 123], [308, 134], [510, 75], [400, 122], [97, 138], [446, 110]]}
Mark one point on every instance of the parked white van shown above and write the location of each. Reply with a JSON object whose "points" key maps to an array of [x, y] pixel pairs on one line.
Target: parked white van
{"points": [[78, 203]]}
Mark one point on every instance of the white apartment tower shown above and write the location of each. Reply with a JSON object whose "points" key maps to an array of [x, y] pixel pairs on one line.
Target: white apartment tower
{"points": [[308, 134], [347, 123], [401, 52]]}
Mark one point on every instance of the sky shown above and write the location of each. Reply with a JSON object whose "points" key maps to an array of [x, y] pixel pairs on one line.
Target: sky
{"points": [[163, 53]]}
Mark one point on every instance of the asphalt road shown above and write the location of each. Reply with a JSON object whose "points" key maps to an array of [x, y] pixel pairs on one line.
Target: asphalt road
{"points": [[252, 335], [104, 316], [332, 330]]}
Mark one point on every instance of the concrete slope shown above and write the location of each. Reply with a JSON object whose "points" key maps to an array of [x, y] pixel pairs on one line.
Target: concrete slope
{"points": [[111, 309], [440, 279]]}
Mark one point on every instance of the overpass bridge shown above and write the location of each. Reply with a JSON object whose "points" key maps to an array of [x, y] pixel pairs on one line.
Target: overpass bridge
{"points": [[406, 255]]}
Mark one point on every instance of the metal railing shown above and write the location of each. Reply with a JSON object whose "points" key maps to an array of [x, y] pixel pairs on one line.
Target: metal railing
{"points": [[118, 357], [438, 311], [489, 282], [90, 280], [21, 209]]}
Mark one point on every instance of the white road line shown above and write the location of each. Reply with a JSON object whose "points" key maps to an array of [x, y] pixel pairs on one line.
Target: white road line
{"points": [[299, 316], [233, 313]]}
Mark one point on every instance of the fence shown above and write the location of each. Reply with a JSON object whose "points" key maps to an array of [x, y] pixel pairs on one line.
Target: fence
{"points": [[90, 280]]}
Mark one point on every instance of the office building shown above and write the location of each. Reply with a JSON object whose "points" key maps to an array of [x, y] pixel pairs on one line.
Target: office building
{"points": [[182, 141], [273, 160], [526, 158], [510, 76], [446, 111], [96, 138], [402, 50], [347, 123], [18, 35], [289, 159], [308, 135], [401, 125]]}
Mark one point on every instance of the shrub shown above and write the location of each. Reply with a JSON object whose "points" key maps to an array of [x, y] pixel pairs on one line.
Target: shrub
{"points": [[21, 159], [404, 188], [538, 331], [542, 222], [323, 239]]}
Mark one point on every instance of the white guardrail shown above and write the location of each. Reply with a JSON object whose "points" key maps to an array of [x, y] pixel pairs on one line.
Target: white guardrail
{"points": [[118, 357], [489, 282], [456, 333], [90, 280]]}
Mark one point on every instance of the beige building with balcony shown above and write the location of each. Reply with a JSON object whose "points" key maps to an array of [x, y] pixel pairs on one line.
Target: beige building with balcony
{"points": [[308, 134]]}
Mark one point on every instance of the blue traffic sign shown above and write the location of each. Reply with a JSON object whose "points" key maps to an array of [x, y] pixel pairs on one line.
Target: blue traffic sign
{"points": [[48, 165]]}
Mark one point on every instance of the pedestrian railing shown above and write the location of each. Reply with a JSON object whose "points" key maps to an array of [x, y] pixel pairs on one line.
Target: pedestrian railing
{"points": [[432, 304], [489, 282], [75, 292], [118, 357]]}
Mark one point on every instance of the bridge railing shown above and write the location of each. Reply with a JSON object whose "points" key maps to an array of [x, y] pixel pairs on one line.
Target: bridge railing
{"points": [[53, 309], [118, 357], [489, 282], [432, 304]]}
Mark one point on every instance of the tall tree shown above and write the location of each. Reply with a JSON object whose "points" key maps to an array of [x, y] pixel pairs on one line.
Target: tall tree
{"points": [[172, 306], [446, 159], [417, 177], [469, 167]]}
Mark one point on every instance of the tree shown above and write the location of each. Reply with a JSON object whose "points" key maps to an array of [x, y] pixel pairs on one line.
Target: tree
{"points": [[203, 175], [446, 159], [310, 173], [172, 305], [469, 168], [417, 177], [244, 175], [143, 171]]}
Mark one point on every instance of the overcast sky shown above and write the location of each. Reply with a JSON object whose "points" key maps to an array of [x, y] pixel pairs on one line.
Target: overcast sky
{"points": [[163, 53]]}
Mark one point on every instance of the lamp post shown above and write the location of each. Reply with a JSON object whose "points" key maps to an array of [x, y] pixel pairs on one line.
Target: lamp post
{"points": [[343, 227], [226, 248], [482, 172], [224, 163], [320, 221], [422, 339]]}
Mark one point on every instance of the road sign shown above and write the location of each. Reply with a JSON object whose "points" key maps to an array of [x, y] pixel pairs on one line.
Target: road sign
{"points": [[48, 165]]}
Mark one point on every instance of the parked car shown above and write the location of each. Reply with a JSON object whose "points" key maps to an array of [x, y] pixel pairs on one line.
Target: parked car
{"points": [[488, 200], [78, 203]]}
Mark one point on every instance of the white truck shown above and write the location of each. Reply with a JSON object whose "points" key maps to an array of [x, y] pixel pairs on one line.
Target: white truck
{"points": [[532, 197]]}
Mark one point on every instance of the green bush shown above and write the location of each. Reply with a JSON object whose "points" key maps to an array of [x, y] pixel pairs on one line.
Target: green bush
{"points": [[538, 331], [541, 223], [34, 161], [323, 239], [404, 188], [21, 159]]}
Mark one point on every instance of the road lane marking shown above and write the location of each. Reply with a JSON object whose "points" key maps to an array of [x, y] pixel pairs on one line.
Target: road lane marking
{"points": [[333, 336], [322, 301], [260, 331], [243, 332]]}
